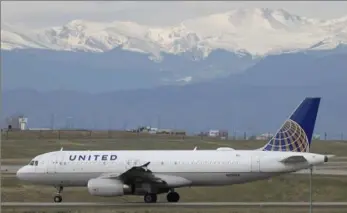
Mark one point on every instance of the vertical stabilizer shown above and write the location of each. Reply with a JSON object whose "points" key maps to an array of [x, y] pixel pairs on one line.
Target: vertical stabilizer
{"points": [[295, 135]]}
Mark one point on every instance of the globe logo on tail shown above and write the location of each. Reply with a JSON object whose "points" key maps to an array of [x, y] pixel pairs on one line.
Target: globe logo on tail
{"points": [[291, 138]]}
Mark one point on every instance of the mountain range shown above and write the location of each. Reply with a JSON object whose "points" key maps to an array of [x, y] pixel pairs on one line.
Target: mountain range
{"points": [[126, 55], [235, 31], [242, 70]]}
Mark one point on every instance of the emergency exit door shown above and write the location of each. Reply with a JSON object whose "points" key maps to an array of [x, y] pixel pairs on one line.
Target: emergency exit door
{"points": [[50, 165]]}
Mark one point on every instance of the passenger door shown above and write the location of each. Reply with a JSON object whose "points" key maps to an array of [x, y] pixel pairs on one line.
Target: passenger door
{"points": [[60, 163], [56, 163]]}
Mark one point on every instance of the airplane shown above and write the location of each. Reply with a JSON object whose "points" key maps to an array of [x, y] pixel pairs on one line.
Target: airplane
{"points": [[148, 173]]}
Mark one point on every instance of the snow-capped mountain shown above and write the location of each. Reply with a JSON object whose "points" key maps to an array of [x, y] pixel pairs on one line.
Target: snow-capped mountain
{"points": [[258, 32]]}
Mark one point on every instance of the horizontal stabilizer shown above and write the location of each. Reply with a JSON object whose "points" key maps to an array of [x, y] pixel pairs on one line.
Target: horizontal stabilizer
{"points": [[330, 156], [294, 159]]}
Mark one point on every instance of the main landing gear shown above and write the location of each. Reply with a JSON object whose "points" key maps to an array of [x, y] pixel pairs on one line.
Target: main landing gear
{"points": [[171, 197], [58, 198], [150, 198]]}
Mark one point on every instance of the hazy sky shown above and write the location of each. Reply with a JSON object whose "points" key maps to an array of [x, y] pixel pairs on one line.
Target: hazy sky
{"points": [[45, 13]]}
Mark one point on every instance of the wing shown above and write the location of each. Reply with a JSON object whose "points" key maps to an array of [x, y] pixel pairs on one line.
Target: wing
{"points": [[135, 174], [141, 174]]}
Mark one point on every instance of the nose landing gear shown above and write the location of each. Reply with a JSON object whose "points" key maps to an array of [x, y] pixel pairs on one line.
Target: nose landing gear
{"points": [[58, 198]]}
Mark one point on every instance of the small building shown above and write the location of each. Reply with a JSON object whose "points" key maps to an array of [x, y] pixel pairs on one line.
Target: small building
{"points": [[265, 136], [152, 130], [17, 123], [178, 132], [223, 134], [213, 133], [165, 131], [23, 123], [316, 137], [218, 133]]}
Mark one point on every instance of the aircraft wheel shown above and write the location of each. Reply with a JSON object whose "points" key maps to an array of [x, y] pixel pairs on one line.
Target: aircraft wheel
{"points": [[150, 198], [173, 197], [57, 198]]}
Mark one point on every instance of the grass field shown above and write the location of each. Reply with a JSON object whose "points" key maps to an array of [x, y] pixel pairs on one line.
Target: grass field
{"points": [[26, 146]]}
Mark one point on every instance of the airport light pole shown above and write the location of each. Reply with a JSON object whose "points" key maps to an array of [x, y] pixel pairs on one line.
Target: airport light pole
{"points": [[311, 189]]}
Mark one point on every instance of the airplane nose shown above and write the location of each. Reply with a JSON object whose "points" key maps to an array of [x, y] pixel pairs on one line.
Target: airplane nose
{"points": [[19, 173]]}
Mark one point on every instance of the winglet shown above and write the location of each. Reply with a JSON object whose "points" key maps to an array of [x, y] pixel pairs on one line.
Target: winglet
{"points": [[61, 149], [195, 148], [146, 164]]}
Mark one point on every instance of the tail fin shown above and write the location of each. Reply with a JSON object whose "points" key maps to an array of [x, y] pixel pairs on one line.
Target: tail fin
{"points": [[295, 135]]}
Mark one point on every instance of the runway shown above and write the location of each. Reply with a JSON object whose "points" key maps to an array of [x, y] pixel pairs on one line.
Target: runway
{"points": [[324, 172], [184, 205]]}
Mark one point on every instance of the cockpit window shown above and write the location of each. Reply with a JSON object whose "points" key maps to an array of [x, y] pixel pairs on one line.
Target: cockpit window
{"points": [[33, 163]]}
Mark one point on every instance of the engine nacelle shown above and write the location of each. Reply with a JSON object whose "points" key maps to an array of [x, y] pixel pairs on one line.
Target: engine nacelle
{"points": [[107, 187]]}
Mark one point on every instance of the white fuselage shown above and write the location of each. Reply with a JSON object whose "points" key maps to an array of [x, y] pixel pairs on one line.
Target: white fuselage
{"points": [[199, 168]]}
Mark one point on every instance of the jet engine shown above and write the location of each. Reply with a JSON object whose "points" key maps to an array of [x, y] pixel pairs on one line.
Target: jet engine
{"points": [[107, 187]]}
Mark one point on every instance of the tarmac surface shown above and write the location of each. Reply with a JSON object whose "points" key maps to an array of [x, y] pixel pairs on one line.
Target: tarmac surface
{"points": [[10, 169], [192, 205], [324, 172]]}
